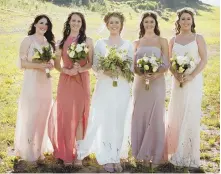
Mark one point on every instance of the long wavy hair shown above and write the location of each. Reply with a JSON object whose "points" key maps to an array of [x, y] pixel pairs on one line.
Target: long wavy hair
{"points": [[67, 29], [48, 34], [179, 14], [154, 16]]}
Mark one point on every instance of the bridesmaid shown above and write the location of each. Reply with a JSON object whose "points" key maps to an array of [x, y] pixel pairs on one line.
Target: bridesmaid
{"points": [[73, 93], [108, 124], [185, 103], [36, 94], [148, 125]]}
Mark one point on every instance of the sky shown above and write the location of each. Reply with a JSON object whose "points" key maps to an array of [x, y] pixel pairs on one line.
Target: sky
{"points": [[212, 2]]}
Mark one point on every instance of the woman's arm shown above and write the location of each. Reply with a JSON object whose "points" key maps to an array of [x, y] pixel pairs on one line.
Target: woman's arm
{"points": [[165, 55], [177, 76], [203, 55], [165, 58], [90, 45], [23, 54], [57, 62], [136, 69]]}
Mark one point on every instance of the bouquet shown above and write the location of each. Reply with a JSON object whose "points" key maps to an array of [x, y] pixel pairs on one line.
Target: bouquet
{"points": [[77, 52], [43, 56], [181, 64], [148, 64], [113, 61]]}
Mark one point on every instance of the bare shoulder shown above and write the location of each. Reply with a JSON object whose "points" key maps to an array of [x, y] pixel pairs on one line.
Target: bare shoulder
{"points": [[199, 38], [89, 41], [172, 40], [136, 42], [163, 40]]}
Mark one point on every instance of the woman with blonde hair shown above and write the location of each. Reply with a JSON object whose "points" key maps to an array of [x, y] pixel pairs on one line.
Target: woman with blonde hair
{"points": [[105, 135]]}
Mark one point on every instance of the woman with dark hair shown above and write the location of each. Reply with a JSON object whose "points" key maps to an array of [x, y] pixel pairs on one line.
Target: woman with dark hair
{"points": [[148, 126], [36, 95], [69, 121], [184, 110], [108, 124]]}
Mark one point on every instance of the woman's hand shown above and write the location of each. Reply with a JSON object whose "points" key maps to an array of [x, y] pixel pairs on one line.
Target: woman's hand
{"points": [[152, 76], [108, 73], [178, 76], [187, 77], [51, 62], [43, 66], [71, 72]]}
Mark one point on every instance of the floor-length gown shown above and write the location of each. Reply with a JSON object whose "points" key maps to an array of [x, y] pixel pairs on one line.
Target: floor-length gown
{"points": [[184, 114], [148, 121], [109, 121], [70, 109], [35, 102]]}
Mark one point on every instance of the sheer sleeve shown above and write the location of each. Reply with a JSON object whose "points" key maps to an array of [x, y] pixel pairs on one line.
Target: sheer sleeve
{"points": [[130, 55], [97, 51], [23, 51]]}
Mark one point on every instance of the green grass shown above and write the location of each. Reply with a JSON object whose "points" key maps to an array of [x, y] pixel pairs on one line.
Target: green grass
{"points": [[15, 19]]}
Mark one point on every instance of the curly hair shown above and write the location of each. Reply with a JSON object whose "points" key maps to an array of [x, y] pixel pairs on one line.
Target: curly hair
{"points": [[115, 14], [179, 14], [48, 34], [152, 14], [67, 29]]}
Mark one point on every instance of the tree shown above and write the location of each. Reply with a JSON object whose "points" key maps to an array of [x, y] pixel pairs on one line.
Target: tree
{"points": [[86, 2]]}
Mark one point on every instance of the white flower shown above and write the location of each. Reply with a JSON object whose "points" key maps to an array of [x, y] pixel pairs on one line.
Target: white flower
{"points": [[187, 58], [72, 53], [155, 68], [139, 65], [180, 60], [146, 67], [145, 59], [86, 49], [139, 61], [83, 44], [79, 48], [72, 46], [152, 61], [192, 64]]}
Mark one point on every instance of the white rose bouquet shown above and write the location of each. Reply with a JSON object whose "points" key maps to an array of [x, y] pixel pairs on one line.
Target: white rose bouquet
{"points": [[77, 52], [148, 64], [182, 64]]}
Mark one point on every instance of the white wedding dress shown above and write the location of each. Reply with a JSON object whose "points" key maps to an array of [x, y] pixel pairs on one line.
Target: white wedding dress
{"points": [[109, 124], [184, 114]]}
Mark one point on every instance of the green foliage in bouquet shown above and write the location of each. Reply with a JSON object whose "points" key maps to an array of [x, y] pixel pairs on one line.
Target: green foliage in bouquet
{"points": [[113, 62], [45, 56]]}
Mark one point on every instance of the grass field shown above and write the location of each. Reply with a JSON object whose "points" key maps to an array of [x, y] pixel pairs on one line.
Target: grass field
{"points": [[15, 19]]}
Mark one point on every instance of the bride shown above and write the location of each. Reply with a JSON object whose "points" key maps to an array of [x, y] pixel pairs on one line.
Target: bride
{"points": [[108, 129]]}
